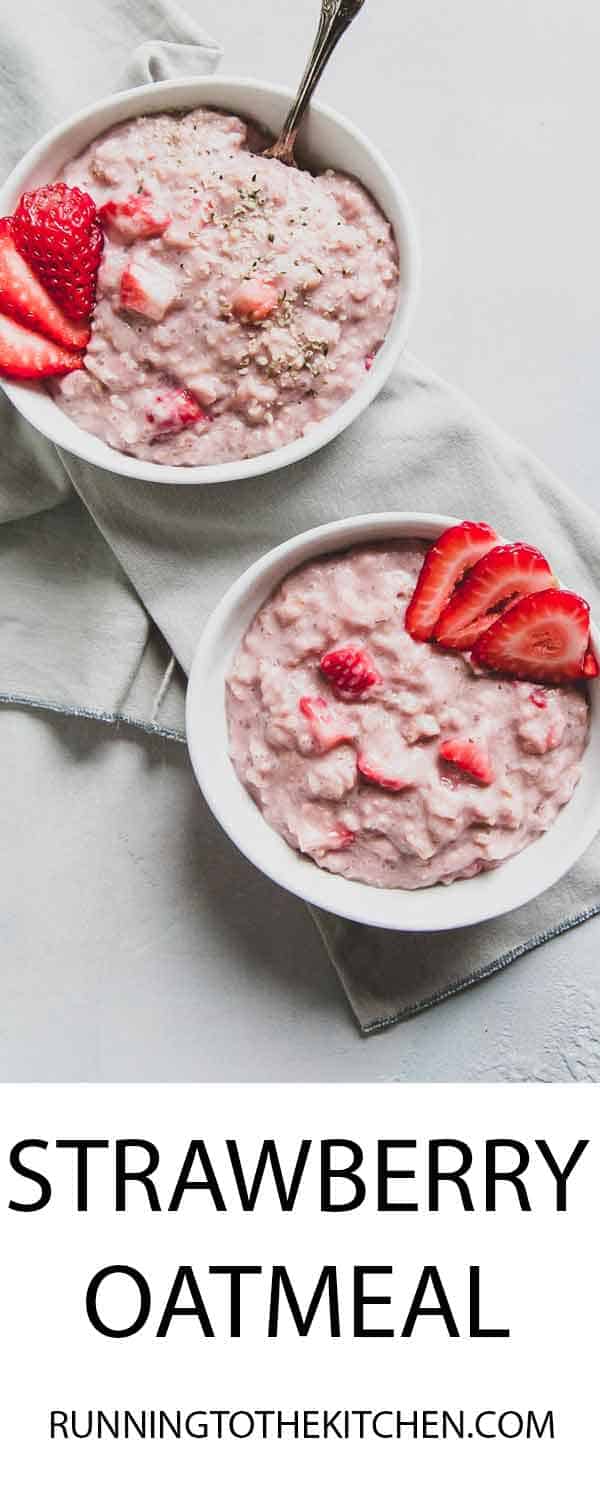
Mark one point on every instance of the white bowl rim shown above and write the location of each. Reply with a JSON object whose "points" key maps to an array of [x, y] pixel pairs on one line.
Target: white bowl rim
{"points": [[433, 908], [83, 444]]}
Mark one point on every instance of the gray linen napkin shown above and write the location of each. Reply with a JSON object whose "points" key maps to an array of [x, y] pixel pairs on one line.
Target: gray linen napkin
{"points": [[77, 587]]}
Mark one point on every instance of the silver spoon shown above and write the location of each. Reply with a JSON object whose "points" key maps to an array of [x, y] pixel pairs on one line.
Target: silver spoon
{"points": [[336, 16]]}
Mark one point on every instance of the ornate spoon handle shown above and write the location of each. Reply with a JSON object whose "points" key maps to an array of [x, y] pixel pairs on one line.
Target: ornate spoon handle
{"points": [[336, 16]]}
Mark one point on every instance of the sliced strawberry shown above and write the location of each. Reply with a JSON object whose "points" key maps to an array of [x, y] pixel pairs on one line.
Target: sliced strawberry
{"points": [[57, 230], [135, 218], [469, 757], [28, 356], [511, 569], [539, 699], [543, 637], [457, 549], [24, 298], [255, 300], [471, 633], [170, 410], [590, 664], [350, 671], [147, 288], [380, 776], [327, 730]]}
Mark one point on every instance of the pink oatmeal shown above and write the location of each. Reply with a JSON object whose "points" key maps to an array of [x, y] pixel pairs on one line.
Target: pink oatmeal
{"points": [[239, 301], [360, 783]]}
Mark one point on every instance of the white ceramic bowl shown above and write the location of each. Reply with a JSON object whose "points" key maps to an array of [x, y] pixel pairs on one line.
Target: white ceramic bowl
{"points": [[327, 140], [458, 905]]}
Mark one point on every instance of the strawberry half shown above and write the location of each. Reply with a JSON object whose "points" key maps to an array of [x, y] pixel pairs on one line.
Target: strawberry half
{"points": [[543, 637], [24, 298], [457, 549], [511, 569], [57, 230], [350, 671], [28, 356], [469, 757]]}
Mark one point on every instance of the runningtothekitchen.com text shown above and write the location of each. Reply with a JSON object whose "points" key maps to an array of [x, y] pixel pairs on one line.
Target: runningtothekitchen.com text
{"points": [[269, 1425]]}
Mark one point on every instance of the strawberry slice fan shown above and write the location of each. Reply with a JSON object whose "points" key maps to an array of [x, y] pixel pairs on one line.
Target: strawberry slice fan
{"points": [[502, 602], [499, 577], [50, 251]]}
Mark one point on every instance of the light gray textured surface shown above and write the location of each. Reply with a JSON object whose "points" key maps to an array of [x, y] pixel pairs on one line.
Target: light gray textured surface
{"points": [[490, 117]]}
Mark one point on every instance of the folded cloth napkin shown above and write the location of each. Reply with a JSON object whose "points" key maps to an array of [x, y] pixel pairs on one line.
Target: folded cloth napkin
{"points": [[97, 573]]}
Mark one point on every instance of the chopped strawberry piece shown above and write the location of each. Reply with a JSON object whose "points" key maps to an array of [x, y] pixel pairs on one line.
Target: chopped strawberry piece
{"points": [[469, 757], [319, 841], [327, 730], [342, 835], [369, 361], [511, 569], [543, 636], [255, 300], [542, 732], [171, 410], [57, 230], [539, 699], [148, 289], [380, 776], [350, 671], [590, 664], [28, 356], [553, 737], [135, 218], [24, 298], [457, 549]]}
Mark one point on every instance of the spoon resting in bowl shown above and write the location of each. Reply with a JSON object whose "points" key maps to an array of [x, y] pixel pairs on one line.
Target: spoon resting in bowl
{"points": [[335, 19]]}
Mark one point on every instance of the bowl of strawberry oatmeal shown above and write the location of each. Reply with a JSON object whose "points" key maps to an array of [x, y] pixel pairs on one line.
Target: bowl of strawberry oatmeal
{"points": [[215, 314], [397, 717]]}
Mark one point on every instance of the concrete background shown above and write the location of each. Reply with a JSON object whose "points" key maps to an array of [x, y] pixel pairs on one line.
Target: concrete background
{"points": [[491, 116]]}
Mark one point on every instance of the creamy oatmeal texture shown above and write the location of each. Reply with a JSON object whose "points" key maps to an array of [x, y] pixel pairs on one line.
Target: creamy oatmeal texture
{"points": [[443, 825], [253, 289]]}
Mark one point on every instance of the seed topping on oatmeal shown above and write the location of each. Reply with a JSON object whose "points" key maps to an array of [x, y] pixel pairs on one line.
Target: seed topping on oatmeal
{"points": [[263, 290]]}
